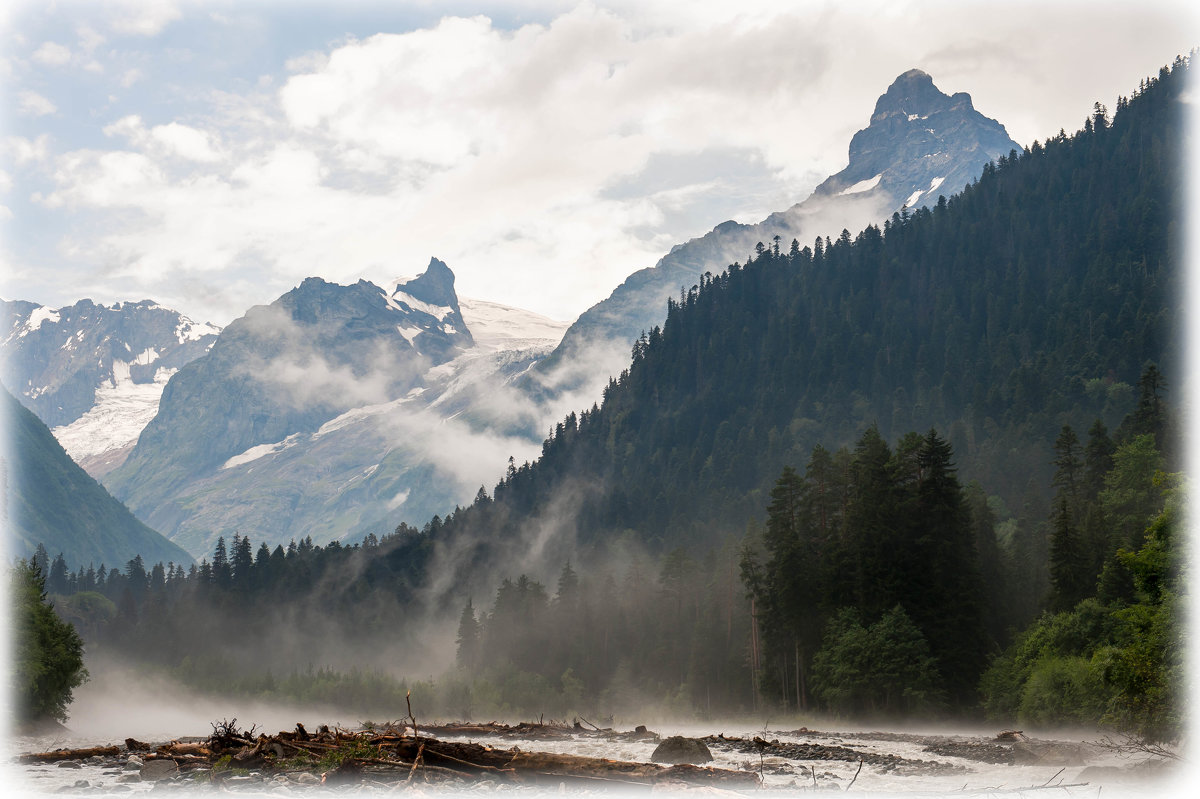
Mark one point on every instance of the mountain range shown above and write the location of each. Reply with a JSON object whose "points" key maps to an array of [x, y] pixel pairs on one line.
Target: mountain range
{"points": [[334, 409], [339, 410], [94, 373]]}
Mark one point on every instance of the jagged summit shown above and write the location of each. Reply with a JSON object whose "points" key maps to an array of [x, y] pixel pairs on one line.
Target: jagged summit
{"points": [[435, 286], [911, 93], [919, 134]]}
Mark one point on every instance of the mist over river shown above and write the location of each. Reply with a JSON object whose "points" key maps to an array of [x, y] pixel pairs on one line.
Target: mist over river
{"points": [[793, 756]]}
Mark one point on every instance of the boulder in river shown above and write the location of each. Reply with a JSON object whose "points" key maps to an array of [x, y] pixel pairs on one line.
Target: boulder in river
{"points": [[159, 770], [678, 749]]}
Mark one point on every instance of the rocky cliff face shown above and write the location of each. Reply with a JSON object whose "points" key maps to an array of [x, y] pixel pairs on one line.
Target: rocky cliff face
{"points": [[919, 137]]}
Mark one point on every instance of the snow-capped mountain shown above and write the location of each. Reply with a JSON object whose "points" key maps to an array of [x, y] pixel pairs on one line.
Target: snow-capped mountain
{"points": [[920, 144], [336, 411], [94, 373]]}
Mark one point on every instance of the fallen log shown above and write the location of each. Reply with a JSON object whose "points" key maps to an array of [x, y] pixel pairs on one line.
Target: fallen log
{"points": [[454, 754], [69, 754], [175, 748]]}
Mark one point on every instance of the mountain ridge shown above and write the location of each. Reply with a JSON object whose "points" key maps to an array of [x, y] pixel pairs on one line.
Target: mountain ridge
{"points": [[331, 408], [913, 165]]}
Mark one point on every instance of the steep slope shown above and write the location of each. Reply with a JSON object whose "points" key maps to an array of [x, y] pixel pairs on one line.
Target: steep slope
{"points": [[1032, 299], [333, 408], [920, 144], [51, 501], [94, 373]]}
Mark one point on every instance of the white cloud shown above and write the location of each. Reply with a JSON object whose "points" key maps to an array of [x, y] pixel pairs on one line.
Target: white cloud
{"points": [[186, 142], [172, 139], [89, 39], [24, 151], [499, 150], [6, 182], [143, 17], [52, 54], [110, 179], [32, 104]]}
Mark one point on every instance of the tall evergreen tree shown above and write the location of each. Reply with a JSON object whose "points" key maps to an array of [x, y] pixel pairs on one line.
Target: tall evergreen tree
{"points": [[467, 655], [943, 595], [1070, 580]]}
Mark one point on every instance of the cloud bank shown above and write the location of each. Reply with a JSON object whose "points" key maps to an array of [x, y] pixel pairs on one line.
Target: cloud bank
{"points": [[546, 160]]}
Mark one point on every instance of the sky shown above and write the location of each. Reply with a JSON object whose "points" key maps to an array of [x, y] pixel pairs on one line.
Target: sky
{"points": [[211, 155]]}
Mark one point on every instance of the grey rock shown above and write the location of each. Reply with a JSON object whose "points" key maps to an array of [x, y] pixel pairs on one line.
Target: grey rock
{"points": [[159, 770], [678, 749]]}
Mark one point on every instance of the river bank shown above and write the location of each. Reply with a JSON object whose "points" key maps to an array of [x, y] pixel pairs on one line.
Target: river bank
{"points": [[538, 758]]}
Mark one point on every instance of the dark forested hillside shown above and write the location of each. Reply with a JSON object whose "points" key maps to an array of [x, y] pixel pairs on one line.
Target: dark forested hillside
{"points": [[53, 503], [1032, 299]]}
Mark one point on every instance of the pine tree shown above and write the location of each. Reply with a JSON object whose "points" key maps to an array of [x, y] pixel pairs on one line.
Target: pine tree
{"points": [[944, 599], [1069, 580], [467, 656], [47, 663], [242, 563], [1068, 466], [221, 571]]}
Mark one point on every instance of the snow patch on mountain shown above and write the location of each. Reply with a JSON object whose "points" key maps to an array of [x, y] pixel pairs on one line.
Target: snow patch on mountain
{"points": [[862, 185], [39, 317], [355, 415], [409, 332], [400, 299], [261, 451], [501, 327], [188, 330], [123, 408]]}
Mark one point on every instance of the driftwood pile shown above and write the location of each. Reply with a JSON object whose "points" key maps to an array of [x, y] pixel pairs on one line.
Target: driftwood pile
{"points": [[405, 754]]}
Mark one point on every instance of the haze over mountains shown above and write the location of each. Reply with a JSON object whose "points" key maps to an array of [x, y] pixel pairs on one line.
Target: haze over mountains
{"points": [[334, 409], [339, 410]]}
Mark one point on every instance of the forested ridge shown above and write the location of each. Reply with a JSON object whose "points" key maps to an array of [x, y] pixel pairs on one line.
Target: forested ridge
{"points": [[744, 525], [1034, 297]]}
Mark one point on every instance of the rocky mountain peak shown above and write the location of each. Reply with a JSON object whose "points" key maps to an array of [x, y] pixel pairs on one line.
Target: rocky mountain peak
{"points": [[912, 93], [435, 286], [920, 142]]}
